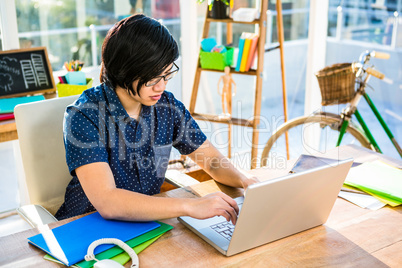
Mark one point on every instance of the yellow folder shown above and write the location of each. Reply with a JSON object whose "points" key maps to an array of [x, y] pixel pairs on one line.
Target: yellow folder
{"points": [[246, 51]]}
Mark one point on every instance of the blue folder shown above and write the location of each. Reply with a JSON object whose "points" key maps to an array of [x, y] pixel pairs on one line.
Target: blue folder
{"points": [[69, 243], [240, 54], [7, 105]]}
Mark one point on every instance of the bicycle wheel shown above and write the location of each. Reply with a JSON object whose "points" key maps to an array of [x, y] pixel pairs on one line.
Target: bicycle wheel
{"points": [[328, 122]]}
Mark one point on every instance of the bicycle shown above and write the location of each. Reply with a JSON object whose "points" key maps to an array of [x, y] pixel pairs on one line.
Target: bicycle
{"points": [[337, 84]]}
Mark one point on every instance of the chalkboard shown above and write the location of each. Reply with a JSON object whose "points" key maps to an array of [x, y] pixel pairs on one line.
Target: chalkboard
{"points": [[25, 72]]}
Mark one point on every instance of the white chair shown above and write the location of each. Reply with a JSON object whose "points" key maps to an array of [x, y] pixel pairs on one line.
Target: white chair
{"points": [[40, 134]]}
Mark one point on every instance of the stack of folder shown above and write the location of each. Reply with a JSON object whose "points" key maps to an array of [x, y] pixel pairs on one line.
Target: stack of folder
{"points": [[247, 51], [7, 105], [378, 179], [68, 244]]}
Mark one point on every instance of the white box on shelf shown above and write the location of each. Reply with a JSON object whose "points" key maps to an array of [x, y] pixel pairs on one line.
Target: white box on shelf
{"points": [[245, 14]]}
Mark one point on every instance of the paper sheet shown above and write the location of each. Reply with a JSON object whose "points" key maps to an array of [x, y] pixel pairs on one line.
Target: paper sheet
{"points": [[362, 200]]}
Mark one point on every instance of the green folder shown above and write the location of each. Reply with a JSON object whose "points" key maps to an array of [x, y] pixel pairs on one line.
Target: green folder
{"points": [[378, 178], [123, 258], [138, 243]]}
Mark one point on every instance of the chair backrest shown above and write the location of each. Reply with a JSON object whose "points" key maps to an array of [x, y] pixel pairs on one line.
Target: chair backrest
{"points": [[40, 134]]}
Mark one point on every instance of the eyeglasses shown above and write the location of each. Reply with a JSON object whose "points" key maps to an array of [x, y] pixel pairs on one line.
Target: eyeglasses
{"points": [[165, 77]]}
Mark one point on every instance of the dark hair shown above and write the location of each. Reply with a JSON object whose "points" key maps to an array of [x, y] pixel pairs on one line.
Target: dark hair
{"points": [[136, 48]]}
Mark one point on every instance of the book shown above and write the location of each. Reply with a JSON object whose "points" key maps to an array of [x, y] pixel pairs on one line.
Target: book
{"points": [[246, 50], [306, 162], [69, 243], [253, 52], [240, 54], [116, 253], [6, 116], [7, 105]]}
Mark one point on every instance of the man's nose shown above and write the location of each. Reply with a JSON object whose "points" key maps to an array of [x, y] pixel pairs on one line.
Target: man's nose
{"points": [[160, 86]]}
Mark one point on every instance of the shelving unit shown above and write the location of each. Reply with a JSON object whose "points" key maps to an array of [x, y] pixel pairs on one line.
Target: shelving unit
{"points": [[254, 123]]}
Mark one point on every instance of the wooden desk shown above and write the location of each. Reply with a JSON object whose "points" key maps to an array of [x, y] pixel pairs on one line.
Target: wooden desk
{"points": [[351, 237], [8, 130]]}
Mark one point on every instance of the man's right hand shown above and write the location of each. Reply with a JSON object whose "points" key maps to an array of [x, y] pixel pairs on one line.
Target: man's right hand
{"points": [[215, 204]]}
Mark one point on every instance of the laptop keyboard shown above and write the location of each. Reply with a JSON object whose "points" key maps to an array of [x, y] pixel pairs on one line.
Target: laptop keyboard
{"points": [[224, 228]]}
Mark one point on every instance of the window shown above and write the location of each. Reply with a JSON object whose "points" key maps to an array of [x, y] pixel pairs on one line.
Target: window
{"points": [[63, 25], [368, 25]]}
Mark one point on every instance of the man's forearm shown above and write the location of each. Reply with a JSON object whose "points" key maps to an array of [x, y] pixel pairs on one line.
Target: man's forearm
{"points": [[217, 165]]}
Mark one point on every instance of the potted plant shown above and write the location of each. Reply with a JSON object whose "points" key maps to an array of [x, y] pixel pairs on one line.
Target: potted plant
{"points": [[218, 9]]}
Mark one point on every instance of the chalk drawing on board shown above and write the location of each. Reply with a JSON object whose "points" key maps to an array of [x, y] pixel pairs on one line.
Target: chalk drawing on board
{"points": [[40, 71], [6, 82], [28, 73]]}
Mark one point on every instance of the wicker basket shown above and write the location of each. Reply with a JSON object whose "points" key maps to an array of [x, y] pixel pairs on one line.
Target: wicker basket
{"points": [[337, 83]]}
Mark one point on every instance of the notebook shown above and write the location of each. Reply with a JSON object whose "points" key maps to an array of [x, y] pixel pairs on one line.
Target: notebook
{"points": [[69, 243], [273, 209]]}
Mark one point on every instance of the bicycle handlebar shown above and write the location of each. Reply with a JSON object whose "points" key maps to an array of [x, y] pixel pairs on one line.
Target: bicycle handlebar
{"points": [[380, 55], [361, 67], [375, 73], [366, 55]]}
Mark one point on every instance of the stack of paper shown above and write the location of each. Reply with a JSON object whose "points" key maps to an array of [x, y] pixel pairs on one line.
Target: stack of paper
{"points": [[362, 200], [378, 179]]}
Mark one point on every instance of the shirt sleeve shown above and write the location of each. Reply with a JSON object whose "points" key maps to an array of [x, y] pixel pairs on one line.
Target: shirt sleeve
{"points": [[187, 135], [82, 139]]}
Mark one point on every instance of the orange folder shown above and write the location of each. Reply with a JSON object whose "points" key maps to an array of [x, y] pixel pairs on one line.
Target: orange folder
{"points": [[253, 52]]}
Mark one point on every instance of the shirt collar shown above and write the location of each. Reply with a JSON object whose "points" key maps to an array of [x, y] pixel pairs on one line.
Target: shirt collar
{"points": [[116, 108]]}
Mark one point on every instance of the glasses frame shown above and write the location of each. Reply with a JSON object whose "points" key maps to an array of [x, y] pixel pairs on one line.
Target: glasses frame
{"points": [[159, 77]]}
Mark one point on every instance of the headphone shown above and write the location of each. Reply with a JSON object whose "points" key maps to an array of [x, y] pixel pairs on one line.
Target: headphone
{"points": [[110, 263]]}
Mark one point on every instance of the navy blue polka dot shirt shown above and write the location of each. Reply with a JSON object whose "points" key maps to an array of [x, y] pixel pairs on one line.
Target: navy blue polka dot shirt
{"points": [[97, 128]]}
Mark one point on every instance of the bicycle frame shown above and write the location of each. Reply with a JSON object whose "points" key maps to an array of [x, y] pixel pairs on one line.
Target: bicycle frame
{"points": [[352, 109]]}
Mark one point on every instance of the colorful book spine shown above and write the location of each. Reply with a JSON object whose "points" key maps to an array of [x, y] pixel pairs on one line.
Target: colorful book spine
{"points": [[253, 52], [239, 55], [6, 116], [246, 50]]}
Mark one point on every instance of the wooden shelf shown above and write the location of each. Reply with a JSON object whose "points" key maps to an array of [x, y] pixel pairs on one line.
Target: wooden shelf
{"points": [[216, 119], [256, 21], [254, 122], [232, 70]]}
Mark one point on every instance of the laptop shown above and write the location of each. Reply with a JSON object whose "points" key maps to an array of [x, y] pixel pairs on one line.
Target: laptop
{"points": [[274, 209]]}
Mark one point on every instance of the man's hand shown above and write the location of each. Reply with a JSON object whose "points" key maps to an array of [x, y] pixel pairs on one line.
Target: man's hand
{"points": [[215, 204], [248, 181]]}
